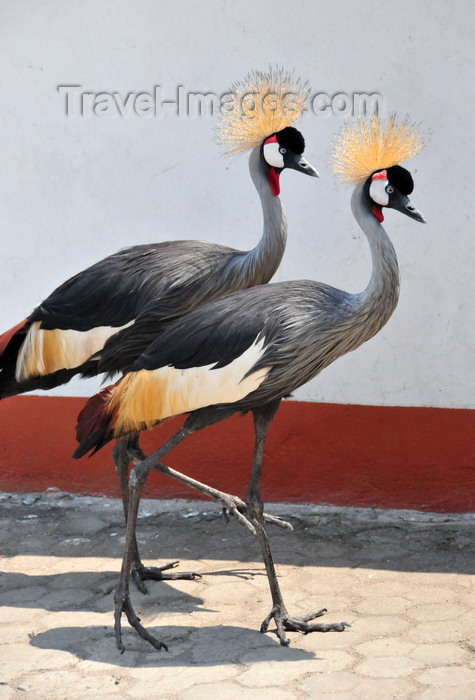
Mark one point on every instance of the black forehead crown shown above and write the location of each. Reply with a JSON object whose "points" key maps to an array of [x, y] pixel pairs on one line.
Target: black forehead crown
{"points": [[401, 179], [292, 139]]}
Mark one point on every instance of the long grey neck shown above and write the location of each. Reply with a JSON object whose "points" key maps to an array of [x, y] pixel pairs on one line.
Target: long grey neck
{"points": [[260, 263], [378, 301]]}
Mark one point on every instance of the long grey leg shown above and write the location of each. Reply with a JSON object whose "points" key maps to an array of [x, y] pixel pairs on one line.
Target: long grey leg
{"points": [[127, 450], [121, 460], [233, 504], [137, 480], [262, 420], [124, 448], [138, 477]]}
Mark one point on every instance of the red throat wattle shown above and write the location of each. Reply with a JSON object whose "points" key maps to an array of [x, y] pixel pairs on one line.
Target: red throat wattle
{"points": [[274, 181], [378, 213]]}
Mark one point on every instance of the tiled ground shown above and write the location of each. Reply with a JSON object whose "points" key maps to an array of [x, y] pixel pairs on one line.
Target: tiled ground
{"points": [[403, 580]]}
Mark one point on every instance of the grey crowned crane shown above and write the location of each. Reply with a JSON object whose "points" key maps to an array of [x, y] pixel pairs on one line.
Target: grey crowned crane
{"points": [[249, 350], [92, 323], [66, 333]]}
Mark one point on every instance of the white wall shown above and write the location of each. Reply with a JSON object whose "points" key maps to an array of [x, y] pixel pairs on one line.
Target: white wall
{"points": [[73, 190]]}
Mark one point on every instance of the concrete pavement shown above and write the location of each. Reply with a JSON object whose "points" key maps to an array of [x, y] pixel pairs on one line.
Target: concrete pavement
{"points": [[402, 579]]}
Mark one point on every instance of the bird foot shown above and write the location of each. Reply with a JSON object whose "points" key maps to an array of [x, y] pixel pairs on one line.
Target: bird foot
{"points": [[277, 520], [284, 622], [235, 506], [241, 507], [123, 605], [141, 573]]}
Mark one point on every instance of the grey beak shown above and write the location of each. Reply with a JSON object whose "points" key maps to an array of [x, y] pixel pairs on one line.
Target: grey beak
{"points": [[298, 162], [414, 213], [402, 203], [305, 167]]}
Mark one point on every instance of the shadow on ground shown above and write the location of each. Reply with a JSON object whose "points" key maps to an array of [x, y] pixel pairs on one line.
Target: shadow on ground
{"points": [[213, 644]]}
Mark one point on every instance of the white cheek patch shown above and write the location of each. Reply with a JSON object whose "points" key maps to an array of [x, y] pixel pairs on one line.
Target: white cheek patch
{"points": [[46, 351], [146, 397], [377, 189], [272, 155]]}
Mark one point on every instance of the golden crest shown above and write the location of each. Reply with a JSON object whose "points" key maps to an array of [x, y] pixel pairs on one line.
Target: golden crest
{"points": [[260, 105], [371, 144]]}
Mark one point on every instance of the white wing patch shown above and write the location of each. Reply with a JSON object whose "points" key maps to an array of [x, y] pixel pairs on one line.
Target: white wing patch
{"points": [[46, 351], [145, 397]]}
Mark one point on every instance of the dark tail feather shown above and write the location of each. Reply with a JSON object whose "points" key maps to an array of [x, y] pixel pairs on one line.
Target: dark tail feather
{"points": [[10, 387], [94, 429], [10, 344], [8, 335]]}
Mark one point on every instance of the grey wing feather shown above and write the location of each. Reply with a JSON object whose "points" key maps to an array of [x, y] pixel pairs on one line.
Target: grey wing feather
{"points": [[290, 317], [113, 291]]}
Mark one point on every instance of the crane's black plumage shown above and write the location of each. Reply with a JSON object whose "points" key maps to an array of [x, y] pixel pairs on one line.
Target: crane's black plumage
{"points": [[291, 138], [401, 179]]}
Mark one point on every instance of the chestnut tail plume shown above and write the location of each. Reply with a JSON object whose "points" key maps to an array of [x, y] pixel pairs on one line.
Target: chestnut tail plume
{"points": [[93, 428]]}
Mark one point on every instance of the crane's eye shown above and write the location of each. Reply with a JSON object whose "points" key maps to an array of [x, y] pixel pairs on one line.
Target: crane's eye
{"points": [[282, 150], [389, 189]]}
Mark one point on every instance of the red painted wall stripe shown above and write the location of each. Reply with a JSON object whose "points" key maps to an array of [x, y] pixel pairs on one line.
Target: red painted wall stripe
{"points": [[389, 457]]}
